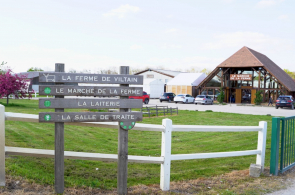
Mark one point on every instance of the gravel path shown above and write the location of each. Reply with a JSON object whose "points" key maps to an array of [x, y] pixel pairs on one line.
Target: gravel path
{"points": [[229, 108], [289, 191]]}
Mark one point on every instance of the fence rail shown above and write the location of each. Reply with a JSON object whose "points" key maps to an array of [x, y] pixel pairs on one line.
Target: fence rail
{"points": [[157, 110], [282, 144], [165, 159]]}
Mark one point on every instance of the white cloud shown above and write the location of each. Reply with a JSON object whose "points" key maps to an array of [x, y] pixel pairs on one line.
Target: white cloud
{"points": [[171, 30], [257, 41], [135, 47], [122, 11], [267, 3], [283, 17]]}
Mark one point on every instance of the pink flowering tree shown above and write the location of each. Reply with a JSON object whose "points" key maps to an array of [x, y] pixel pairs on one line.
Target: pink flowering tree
{"points": [[13, 85]]}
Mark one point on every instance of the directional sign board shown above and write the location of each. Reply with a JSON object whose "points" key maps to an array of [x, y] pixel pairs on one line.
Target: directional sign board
{"points": [[91, 117], [90, 78], [89, 103], [69, 90]]}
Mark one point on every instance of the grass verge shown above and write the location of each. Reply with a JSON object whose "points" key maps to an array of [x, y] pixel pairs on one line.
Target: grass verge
{"points": [[97, 174]]}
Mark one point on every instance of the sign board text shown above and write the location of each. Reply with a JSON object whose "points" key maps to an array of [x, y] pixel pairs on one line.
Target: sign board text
{"points": [[89, 103], [90, 78], [69, 90], [242, 77], [89, 116]]}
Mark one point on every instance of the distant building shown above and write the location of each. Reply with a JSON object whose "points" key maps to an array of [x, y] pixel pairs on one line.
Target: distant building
{"points": [[244, 73], [185, 83], [163, 75]]}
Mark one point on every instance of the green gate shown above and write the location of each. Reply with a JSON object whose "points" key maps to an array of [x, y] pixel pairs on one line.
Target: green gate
{"points": [[282, 155]]}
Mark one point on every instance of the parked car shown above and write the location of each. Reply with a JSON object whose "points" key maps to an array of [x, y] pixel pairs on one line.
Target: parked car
{"points": [[285, 101], [203, 99], [167, 96], [145, 97], [246, 97], [184, 98]]}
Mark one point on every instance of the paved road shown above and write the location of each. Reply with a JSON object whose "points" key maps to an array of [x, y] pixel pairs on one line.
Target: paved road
{"points": [[233, 108]]}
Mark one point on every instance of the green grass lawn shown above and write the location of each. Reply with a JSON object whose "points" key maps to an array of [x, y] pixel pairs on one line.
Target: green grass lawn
{"points": [[103, 140]]}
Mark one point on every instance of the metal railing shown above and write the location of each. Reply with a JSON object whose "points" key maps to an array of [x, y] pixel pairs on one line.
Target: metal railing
{"points": [[158, 110], [282, 145]]}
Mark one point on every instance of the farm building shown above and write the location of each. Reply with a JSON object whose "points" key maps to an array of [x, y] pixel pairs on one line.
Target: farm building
{"points": [[163, 75], [243, 74], [184, 83]]}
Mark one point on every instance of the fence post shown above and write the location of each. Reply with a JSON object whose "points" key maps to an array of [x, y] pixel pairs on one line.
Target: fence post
{"points": [[275, 143], [261, 144], [164, 111], [2, 145], [166, 153]]}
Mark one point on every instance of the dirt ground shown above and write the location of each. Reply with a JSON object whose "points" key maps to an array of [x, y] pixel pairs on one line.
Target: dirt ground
{"points": [[236, 182]]}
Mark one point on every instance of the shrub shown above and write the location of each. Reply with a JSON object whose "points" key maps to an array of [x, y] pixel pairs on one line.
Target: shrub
{"points": [[258, 98], [220, 97]]}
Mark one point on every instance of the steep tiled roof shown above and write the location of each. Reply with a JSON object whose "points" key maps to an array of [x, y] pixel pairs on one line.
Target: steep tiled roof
{"points": [[275, 70], [247, 57]]}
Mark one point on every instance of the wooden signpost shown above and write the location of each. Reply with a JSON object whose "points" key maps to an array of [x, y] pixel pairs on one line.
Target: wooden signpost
{"points": [[126, 119]]}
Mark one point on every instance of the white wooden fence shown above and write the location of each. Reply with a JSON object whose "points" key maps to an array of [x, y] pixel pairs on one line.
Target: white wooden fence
{"points": [[165, 159]]}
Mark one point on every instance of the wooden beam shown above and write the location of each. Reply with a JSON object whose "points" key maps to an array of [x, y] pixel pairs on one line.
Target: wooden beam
{"points": [[255, 71], [226, 71], [259, 79]]}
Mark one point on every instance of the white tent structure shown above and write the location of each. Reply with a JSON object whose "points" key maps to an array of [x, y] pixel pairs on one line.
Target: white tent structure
{"points": [[153, 87], [184, 83]]}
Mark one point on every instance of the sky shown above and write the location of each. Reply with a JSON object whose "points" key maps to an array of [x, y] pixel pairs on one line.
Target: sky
{"points": [[89, 35]]}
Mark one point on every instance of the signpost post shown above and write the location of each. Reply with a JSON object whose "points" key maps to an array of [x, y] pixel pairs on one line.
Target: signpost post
{"points": [[126, 119], [59, 143], [122, 147]]}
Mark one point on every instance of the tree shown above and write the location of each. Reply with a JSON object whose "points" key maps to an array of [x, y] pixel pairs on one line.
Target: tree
{"points": [[291, 74], [13, 84], [2, 64], [220, 97], [258, 98], [32, 69], [206, 71]]}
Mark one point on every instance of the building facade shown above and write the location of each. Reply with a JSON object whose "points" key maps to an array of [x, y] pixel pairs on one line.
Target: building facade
{"points": [[243, 74]]}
